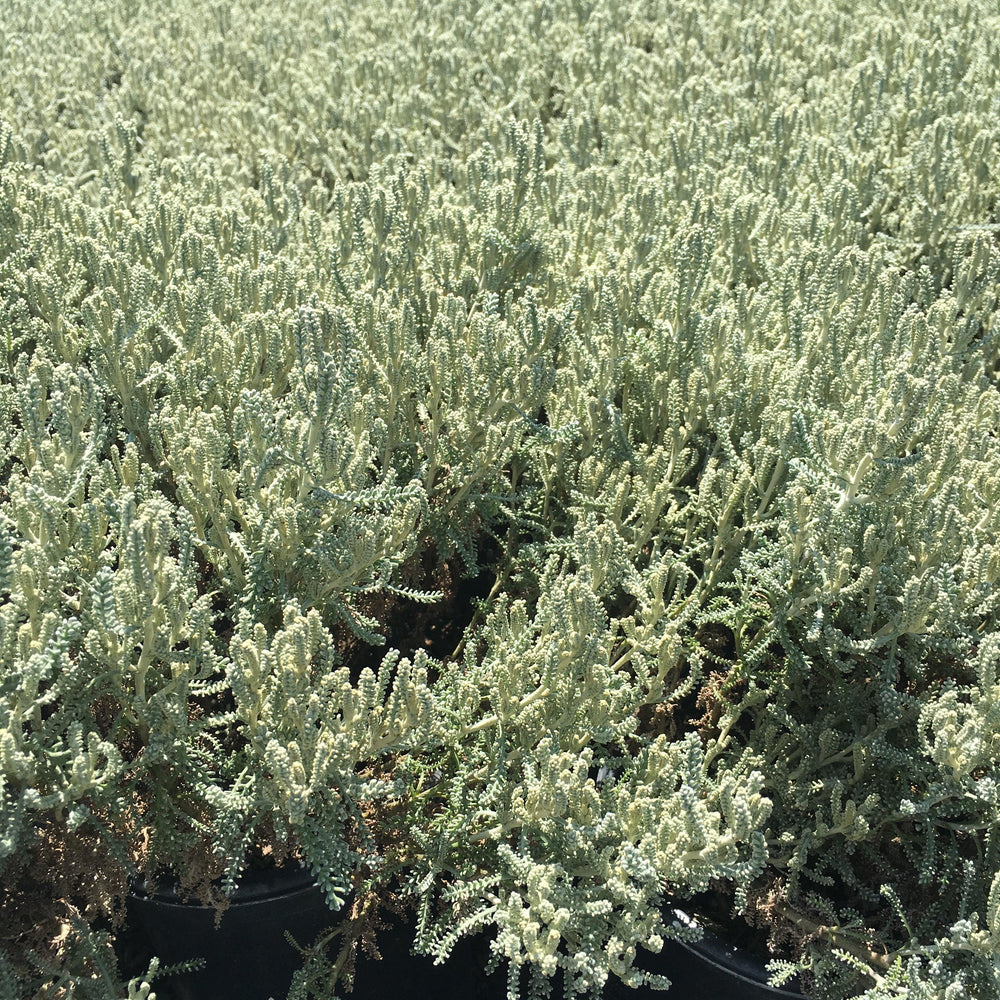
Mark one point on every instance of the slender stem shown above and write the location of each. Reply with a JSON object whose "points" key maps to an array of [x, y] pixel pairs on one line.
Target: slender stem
{"points": [[838, 939], [497, 587], [493, 720]]}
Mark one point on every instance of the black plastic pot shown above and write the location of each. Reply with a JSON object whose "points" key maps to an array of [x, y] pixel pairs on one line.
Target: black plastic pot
{"points": [[707, 969], [247, 955], [401, 975]]}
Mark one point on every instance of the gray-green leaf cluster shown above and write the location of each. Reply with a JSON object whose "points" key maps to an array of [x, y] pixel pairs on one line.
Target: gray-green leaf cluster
{"points": [[666, 329]]}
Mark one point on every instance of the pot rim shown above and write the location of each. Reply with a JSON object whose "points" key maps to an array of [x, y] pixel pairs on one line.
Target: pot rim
{"points": [[727, 959], [255, 885]]}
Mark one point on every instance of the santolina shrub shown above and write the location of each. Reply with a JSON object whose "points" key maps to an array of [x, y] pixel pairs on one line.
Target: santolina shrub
{"points": [[670, 326]]}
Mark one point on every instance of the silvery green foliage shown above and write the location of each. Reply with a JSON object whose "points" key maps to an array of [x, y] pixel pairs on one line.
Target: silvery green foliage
{"points": [[676, 319], [569, 867], [308, 728]]}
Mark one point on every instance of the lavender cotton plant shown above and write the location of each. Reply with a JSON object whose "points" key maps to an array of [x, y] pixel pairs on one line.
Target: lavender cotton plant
{"points": [[532, 466]]}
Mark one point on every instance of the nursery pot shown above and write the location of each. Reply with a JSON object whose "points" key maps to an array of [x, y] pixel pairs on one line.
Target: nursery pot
{"points": [[708, 969], [247, 955], [402, 975]]}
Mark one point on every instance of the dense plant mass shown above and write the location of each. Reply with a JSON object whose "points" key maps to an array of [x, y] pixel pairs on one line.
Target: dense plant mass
{"points": [[530, 461]]}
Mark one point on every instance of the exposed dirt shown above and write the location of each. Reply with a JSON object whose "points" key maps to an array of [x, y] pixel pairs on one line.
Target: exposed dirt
{"points": [[408, 625]]}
